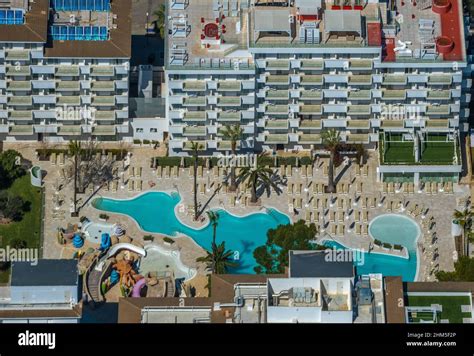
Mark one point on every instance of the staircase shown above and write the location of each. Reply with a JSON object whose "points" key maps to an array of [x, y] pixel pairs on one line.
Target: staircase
{"points": [[93, 280], [170, 289]]}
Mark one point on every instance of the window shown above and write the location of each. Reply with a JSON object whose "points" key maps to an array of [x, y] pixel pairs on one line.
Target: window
{"points": [[153, 130], [139, 130]]}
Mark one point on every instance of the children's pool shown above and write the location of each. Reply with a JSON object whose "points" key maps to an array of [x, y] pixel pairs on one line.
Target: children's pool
{"points": [[155, 212]]}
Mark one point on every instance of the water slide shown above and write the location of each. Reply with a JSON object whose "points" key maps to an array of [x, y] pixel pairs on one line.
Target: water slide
{"points": [[137, 288], [125, 246]]}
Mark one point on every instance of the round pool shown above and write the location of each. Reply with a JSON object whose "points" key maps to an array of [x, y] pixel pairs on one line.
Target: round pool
{"points": [[395, 229]]}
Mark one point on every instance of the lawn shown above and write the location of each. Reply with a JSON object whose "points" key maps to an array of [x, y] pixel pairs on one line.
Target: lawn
{"points": [[437, 152], [399, 152], [28, 229], [451, 305]]}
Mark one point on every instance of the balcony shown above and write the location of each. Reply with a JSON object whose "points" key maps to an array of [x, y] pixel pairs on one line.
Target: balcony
{"points": [[312, 64], [18, 100], [194, 85], [309, 139], [229, 116], [194, 101], [394, 79], [226, 145], [102, 71], [277, 79], [277, 94], [17, 55], [67, 71], [437, 123], [68, 86], [19, 85], [103, 86], [360, 64], [20, 115], [310, 109], [360, 80], [311, 80], [276, 139], [103, 130], [359, 95], [358, 138], [311, 95], [277, 109], [440, 79], [439, 95], [21, 130], [195, 131], [104, 115], [229, 101], [276, 125], [358, 109], [390, 94], [437, 110], [69, 100], [310, 124], [358, 124], [229, 85], [103, 101], [393, 124], [278, 64], [70, 130], [22, 71], [188, 145], [195, 116]]}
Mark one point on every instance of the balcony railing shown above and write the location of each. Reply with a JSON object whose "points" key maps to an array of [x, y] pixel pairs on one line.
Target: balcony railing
{"points": [[311, 79], [194, 85], [311, 109], [276, 139], [67, 71], [310, 139]]}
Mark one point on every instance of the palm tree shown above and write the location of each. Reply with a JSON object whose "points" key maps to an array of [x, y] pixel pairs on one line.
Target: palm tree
{"points": [[233, 134], [218, 260], [160, 15], [257, 175], [331, 139], [74, 150], [213, 220], [464, 219], [195, 148]]}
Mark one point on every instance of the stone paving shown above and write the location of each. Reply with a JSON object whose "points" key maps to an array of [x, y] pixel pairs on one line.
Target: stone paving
{"points": [[302, 203]]}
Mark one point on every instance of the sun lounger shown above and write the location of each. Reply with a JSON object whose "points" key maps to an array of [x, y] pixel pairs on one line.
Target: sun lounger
{"points": [[332, 216], [52, 158], [139, 172], [434, 188], [298, 203], [131, 172], [359, 188], [321, 188], [107, 186], [341, 229], [391, 188], [215, 172], [309, 171], [385, 188], [325, 203], [114, 186], [202, 188], [411, 188], [317, 216], [290, 188], [315, 188], [365, 230], [357, 215], [449, 188], [200, 172], [340, 203], [298, 188], [325, 170], [139, 186], [358, 229], [365, 216], [404, 187], [364, 202], [333, 229], [340, 216], [345, 189], [131, 185], [167, 172], [62, 160], [232, 200], [315, 204], [159, 172], [308, 216], [417, 211], [303, 171], [289, 171], [349, 203]]}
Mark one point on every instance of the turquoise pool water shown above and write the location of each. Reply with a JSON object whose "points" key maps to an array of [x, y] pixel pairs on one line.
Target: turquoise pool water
{"points": [[154, 212], [395, 229]]}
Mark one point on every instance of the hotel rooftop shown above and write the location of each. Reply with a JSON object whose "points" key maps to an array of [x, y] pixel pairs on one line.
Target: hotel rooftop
{"points": [[215, 33]]}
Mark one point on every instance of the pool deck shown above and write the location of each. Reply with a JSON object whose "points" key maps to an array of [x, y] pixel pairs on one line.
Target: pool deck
{"points": [[437, 254]]}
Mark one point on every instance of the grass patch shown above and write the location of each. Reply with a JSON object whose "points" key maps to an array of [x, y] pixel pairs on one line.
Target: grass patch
{"points": [[29, 228], [399, 152], [451, 306], [437, 152]]}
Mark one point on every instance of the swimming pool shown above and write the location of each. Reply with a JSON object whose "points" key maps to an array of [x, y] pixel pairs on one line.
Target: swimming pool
{"points": [[154, 212], [394, 229], [93, 231]]}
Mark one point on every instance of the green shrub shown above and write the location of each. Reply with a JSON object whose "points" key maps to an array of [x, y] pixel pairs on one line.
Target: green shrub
{"points": [[398, 247], [146, 142], [168, 161], [168, 240], [306, 160], [104, 216], [387, 245], [137, 142], [378, 242], [148, 238]]}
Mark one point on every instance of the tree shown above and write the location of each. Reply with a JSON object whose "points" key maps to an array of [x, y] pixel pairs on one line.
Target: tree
{"points": [[11, 207], [75, 150], [463, 271], [273, 256], [10, 167], [464, 219], [233, 134], [258, 176], [331, 139], [214, 221], [218, 260], [195, 148], [160, 24]]}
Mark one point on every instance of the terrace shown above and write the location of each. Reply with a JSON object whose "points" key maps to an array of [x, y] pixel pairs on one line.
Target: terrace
{"points": [[428, 308]]}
